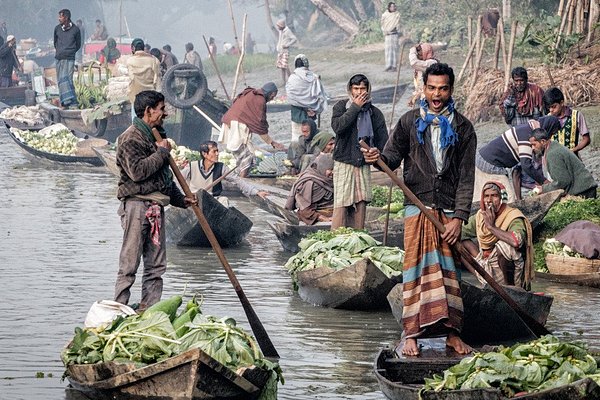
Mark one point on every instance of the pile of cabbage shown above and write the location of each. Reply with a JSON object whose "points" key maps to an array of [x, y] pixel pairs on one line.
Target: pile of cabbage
{"points": [[341, 248], [162, 332], [553, 246], [60, 141], [541, 364], [182, 154]]}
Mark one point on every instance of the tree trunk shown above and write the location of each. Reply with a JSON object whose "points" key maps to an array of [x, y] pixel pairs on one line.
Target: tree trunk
{"points": [[378, 4], [270, 19], [360, 8], [337, 16], [593, 19]]}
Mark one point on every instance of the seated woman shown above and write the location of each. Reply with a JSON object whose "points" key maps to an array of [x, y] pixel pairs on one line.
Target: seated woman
{"points": [[312, 193], [110, 54], [300, 152], [505, 238], [201, 174]]}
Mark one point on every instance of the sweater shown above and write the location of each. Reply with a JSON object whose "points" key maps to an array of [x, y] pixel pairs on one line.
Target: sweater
{"points": [[140, 164], [343, 123], [450, 189], [8, 60], [567, 171], [66, 42]]}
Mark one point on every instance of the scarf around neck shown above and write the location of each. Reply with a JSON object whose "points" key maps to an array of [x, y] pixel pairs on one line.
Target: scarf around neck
{"points": [[448, 137], [146, 130]]}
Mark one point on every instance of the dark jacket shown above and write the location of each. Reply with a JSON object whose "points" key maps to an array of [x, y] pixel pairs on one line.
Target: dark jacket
{"points": [[452, 188], [66, 42], [343, 123], [8, 60], [140, 163]]}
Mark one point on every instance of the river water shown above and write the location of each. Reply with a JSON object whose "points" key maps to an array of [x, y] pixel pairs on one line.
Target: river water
{"points": [[60, 242]]}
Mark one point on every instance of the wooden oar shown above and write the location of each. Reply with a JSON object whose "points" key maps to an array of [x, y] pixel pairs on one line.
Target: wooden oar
{"points": [[472, 265], [257, 327]]}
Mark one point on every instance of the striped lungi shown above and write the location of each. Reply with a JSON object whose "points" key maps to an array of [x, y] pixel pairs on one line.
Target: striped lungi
{"points": [[282, 59], [431, 291], [350, 184], [64, 75]]}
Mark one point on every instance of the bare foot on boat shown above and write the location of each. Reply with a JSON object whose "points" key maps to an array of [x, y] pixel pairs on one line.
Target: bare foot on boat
{"points": [[455, 342], [408, 347]]}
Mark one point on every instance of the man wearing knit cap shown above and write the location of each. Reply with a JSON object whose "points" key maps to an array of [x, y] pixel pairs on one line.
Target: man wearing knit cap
{"points": [[247, 115], [8, 61], [286, 40]]}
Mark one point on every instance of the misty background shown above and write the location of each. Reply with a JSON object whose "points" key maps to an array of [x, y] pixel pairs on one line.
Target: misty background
{"points": [[174, 22]]}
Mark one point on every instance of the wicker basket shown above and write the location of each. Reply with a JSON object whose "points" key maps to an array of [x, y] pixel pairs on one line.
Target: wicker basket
{"points": [[563, 265]]}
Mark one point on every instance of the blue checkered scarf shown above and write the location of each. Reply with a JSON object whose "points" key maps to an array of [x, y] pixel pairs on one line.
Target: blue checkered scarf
{"points": [[448, 136]]}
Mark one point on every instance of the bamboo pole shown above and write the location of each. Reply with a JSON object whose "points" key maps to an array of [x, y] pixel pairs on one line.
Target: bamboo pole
{"points": [[470, 33], [511, 46], [214, 62], [242, 53], [477, 38], [497, 46], [570, 17], [563, 22], [593, 17], [464, 66], [502, 42], [561, 6], [235, 36], [477, 64]]}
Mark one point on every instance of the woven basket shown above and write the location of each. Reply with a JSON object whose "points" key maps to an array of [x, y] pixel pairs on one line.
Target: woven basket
{"points": [[562, 265]]}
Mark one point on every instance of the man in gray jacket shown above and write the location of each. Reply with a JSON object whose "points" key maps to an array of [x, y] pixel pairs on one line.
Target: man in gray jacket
{"points": [[67, 40]]}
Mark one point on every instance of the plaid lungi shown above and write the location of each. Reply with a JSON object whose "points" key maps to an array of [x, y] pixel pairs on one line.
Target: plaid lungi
{"points": [[350, 184], [431, 291], [66, 89], [282, 59], [391, 50]]}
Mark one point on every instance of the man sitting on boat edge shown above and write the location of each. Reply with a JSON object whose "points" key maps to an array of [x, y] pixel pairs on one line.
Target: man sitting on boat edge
{"points": [[201, 174], [504, 234]]}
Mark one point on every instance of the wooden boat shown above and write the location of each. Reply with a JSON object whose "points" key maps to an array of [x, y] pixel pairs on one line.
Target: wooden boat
{"points": [[401, 378], [289, 235], [228, 224], [192, 375], [360, 286], [14, 95], [108, 128], [109, 159], [591, 280], [486, 316], [55, 157]]}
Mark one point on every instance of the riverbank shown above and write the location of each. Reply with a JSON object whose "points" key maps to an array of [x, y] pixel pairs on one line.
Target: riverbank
{"points": [[336, 66]]}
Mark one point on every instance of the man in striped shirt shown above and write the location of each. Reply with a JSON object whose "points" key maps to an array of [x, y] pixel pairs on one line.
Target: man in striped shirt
{"points": [[494, 160]]}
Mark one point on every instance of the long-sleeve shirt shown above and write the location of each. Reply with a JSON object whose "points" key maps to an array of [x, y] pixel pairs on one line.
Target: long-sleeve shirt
{"points": [[286, 39], [566, 170], [66, 41], [8, 60], [144, 73], [199, 178]]}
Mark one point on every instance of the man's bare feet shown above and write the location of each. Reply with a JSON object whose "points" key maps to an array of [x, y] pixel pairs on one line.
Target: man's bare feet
{"points": [[455, 342], [410, 347]]}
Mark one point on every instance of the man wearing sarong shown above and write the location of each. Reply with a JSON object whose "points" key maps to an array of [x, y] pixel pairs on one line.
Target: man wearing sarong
{"points": [[312, 193], [67, 40], [143, 70], [562, 168], [145, 187], [305, 94], [285, 41], [354, 120], [247, 115], [420, 58], [505, 238], [437, 145], [573, 132], [390, 25], [522, 100], [495, 160]]}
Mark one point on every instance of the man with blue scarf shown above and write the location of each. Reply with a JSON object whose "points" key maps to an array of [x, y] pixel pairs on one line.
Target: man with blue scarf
{"points": [[437, 145], [145, 187]]}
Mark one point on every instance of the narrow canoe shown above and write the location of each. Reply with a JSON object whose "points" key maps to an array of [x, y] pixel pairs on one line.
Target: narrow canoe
{"points": [[591, 280], [228, 224], [401, 378], [289, 235], [192, 375], [109, 159], [360, 286], [486, 316], [55, 157]]}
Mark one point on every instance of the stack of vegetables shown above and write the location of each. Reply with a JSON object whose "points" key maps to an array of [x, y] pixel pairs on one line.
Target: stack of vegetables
{"points": [[88, 92], [553, 246], [59, 141], [159, 333], [541, 364], [183, 154], [341, 248], [380, 199], [569, 210], [272, 164]]}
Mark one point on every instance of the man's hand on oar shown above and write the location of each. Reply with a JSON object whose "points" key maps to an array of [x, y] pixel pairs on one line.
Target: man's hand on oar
{"points": [[371, 155]]}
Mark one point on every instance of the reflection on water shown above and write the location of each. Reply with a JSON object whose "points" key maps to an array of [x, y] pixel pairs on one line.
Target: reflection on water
{"points": [[60, 243]]}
